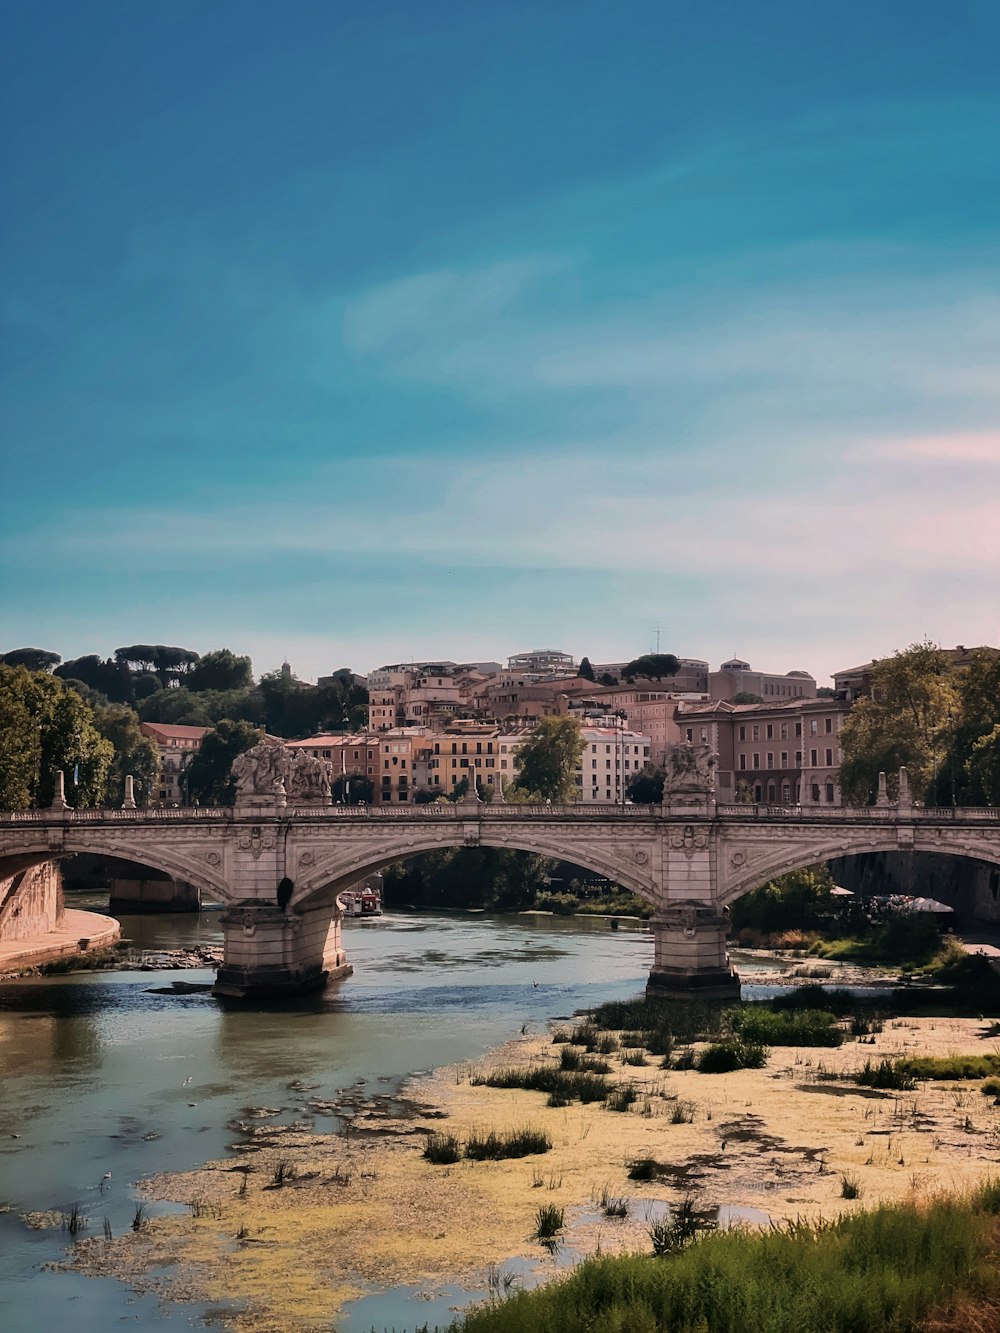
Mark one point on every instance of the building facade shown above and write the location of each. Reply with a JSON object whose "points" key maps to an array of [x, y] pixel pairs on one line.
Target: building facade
{"points": [[177, 746]]}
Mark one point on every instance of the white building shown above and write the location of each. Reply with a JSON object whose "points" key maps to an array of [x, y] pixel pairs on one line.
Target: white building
{"points": [[612, 756]]}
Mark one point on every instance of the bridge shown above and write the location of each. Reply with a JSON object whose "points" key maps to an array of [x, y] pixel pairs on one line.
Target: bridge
{"points": [[279, 857]]}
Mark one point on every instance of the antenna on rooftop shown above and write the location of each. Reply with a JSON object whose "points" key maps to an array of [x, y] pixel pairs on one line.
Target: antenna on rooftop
{"points": [[656, 631]]}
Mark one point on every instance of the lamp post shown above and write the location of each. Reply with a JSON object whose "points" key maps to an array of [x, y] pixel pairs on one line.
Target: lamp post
{"points": [[622, 718]]}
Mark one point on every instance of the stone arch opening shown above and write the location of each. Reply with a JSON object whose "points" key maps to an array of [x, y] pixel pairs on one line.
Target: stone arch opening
{"points": [[167, 861], [329, 875]]}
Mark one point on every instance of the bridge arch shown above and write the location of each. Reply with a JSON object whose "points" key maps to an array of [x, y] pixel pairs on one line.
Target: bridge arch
{"points": [[336, 871], [170, 860], [785, 859]]}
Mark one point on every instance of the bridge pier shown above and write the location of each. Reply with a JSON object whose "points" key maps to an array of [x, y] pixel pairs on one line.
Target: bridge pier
{"points": [[690, 959], [274, 954]]}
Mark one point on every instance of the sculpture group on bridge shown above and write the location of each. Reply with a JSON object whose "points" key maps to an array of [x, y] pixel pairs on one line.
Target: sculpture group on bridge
{"points": [[274, 770]]}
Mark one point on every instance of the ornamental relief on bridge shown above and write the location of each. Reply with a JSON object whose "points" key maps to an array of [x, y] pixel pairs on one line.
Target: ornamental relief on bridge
{"points": [[255, 841], [689, 840]]}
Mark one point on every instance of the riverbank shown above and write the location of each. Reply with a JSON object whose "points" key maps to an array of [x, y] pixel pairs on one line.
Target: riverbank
{"points": [[78, 933], [296, 1224]]}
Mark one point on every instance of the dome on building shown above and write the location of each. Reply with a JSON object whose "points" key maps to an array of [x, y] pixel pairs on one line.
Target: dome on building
{"points": [[804, 675], [735, 664]]}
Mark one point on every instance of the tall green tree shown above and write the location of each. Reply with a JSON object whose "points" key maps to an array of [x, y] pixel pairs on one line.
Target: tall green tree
{"points": [[133, 753], [652, 666], [45, 725], [909, 720], [35, 659], [547, 759], [168, 663], [220, 670], [585, 669], [209, 779]]}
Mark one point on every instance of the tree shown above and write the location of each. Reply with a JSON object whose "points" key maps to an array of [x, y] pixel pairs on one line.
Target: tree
{"points": [[982, 769], [133, 753], [168, 663], [44, 726], [909, 720], [209, 779], [547, 759], [35, 659], [606, 678], [179, 707], [646, 786], [653, 666], [747, 697], [586, 670], [220, 670], [353, 789]]}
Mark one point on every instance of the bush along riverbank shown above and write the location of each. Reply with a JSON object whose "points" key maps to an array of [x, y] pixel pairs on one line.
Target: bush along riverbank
{"points": [[897, 1267]]}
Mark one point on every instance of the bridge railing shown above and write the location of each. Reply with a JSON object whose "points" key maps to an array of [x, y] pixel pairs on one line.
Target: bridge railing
{"points": [[946, 814]]}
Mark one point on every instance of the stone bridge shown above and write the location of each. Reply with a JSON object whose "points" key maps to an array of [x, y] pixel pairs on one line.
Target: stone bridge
{"points": [[278, 860]]}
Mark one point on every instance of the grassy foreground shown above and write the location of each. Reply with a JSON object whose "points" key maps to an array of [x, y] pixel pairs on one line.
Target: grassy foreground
{"points": [[894, 1268]]}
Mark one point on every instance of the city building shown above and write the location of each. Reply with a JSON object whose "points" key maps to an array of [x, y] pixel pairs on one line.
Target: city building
{"points": [[737, 677], [781, 753], [542, 662], [177, 746], [349, 755], [612, 756], [648, 709]]}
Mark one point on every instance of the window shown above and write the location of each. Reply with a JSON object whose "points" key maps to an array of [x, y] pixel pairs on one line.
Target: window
{"points": [[813, 726], [784, 731], [743, 762], [812, 758], [770, 732], [690, 733], [798, 758], [756, 761], [798, 728], [743, 733], [784, 759], [756, 733], [829, 793], [770, 758], [829, 758], [828, 725]]}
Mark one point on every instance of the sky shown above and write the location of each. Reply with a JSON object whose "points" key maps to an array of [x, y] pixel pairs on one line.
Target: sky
{"points": [[355, 333]]}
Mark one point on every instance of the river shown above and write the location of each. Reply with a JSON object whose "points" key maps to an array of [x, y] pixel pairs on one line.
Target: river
{"points": [[101, 1073]]}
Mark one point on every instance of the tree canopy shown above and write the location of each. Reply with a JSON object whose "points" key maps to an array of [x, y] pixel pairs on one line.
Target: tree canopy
{"points": [[168, 663], [35, 659], [220, 670], [209, 779], [45, 725], [585, 669], [547, 759], [134, 753], [908, 721], [652, 666], [646, 786]]}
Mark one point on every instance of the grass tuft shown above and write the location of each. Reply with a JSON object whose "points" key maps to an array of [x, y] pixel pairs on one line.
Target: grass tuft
{"points": [[722, 1057], [498, 1145], [442, 1149]]}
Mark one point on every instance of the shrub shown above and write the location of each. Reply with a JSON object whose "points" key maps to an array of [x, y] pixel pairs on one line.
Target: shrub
{"points": [[643, 1168], [795, 1027], [884, 1073], [573, 1060], [991, 1088], [621, 1097], [442, 1149], [549, 1221], [635, 1058], [499, 1145], [572, 1085], [850, 1187], [679, 1229], [723, 1057]]}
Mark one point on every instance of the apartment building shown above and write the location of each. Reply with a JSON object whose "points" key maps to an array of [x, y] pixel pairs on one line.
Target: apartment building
{"points": [[348, 755], [177, 746], [785, 753], [478, 751], [612, 756], [420, 694], [649, 710]]}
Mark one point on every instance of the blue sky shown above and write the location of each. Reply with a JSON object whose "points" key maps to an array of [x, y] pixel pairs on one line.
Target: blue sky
{"points": [[356, 333]]}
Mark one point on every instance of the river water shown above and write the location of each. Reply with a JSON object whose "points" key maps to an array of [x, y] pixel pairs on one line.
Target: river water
{"points": [[99, 1073]]}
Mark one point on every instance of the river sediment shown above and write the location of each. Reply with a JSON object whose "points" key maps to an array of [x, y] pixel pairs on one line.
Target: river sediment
{"points": [[295, 1225]]}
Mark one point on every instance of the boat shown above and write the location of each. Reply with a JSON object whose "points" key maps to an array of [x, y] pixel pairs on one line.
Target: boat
{"points": [[364, 899]]}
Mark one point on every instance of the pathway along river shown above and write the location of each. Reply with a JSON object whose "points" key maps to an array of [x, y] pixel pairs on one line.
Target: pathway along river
{"points": [[99, 1073]]}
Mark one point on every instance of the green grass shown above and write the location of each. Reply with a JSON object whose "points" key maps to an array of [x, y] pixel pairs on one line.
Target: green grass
{"points": [[622, 1097], [571, 1085], [878, 1271], [788, 1027], [549, 1221], [585, 1064], [885, 1073], [949, 1066], [497, 1146]]}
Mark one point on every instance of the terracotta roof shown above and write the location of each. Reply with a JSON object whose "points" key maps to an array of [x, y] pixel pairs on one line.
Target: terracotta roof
{"points": [[172, 731]]}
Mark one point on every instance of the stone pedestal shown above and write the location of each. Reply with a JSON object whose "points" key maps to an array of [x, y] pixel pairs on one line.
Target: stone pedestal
{"points": [[270, 954], [690, 958]]}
